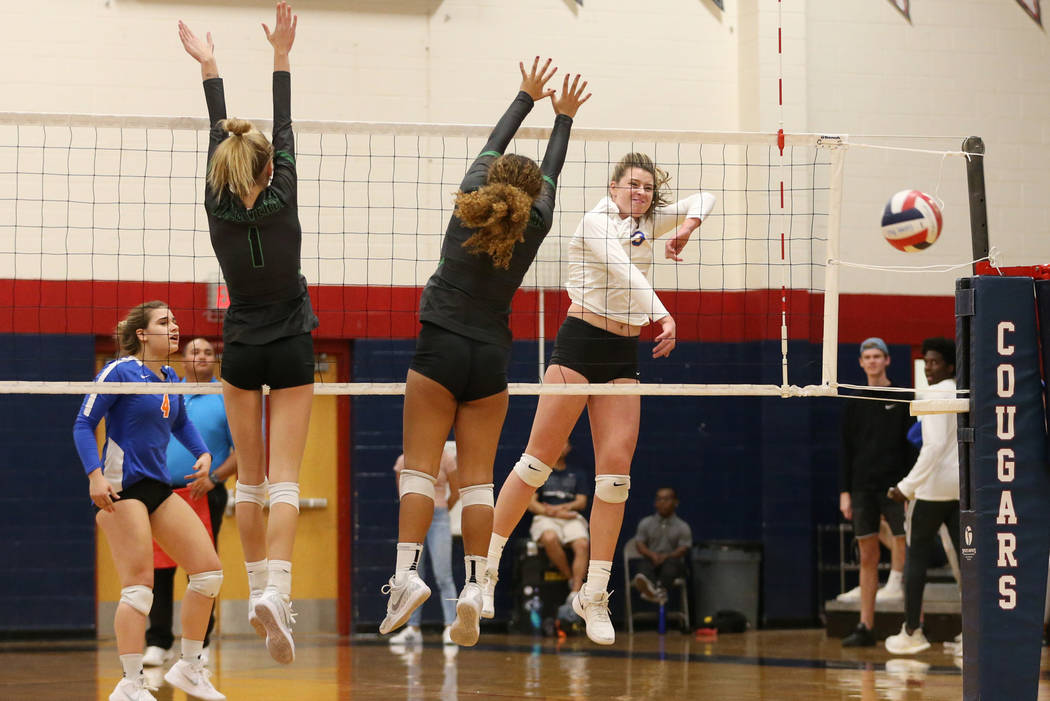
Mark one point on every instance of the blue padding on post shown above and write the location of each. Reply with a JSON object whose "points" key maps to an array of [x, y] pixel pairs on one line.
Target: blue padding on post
{"points": [[1005, 538]]}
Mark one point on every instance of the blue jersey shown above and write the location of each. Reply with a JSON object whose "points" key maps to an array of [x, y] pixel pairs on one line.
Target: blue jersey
{"points": [[138, 426], [207, 413]]}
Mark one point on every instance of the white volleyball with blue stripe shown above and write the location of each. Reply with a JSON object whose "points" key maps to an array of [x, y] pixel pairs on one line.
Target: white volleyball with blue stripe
{"points": [[911, 220]]}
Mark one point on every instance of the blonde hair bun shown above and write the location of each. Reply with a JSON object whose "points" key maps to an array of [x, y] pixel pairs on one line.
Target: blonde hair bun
{"points": [[237, 127]]}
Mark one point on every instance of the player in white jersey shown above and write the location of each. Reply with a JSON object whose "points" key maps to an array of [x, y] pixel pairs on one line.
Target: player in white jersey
{"points": [[609, 259]]}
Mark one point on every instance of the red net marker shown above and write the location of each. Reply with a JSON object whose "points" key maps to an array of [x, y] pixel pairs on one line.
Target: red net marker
{"points": [[1038, 272], [780, 141]]}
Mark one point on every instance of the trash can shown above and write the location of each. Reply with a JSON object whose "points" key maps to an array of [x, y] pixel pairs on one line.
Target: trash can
{"points": [[727, 576]]}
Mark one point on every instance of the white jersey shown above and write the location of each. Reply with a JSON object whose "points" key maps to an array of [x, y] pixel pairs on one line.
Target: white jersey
{"points": [[935, 475], [610, 258]]}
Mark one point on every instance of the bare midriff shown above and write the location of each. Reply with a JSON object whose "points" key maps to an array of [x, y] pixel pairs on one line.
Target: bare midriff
{"points": [[617, 327]]}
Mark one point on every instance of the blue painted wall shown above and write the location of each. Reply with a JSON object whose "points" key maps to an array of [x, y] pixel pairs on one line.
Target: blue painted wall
{"points": [[746, 468], [47, 529]]}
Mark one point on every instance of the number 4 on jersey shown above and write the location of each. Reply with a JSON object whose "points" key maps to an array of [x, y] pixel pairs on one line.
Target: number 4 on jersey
{"points": [[165, 406]]}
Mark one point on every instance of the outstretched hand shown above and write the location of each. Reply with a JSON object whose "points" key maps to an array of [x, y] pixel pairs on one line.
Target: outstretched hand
{"points": [[283, 35], [570, 98], [534, 81], [202, 50]]}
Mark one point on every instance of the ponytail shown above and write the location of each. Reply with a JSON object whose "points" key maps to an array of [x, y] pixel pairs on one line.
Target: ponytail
{"points": [[126, 334], [240, 160], [500, 210]]}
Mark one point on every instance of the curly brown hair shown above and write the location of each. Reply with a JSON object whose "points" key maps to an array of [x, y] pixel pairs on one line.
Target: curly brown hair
{"points": [[499, 211], [661, 193]]}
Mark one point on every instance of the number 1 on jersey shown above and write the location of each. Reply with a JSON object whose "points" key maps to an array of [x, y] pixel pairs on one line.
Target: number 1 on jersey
{"points": [[255, 247]]}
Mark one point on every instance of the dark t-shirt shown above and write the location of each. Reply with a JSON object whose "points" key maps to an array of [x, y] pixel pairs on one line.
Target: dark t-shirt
{"points": [[467, 294], [562, 487], [258, 248], [876, 453]]}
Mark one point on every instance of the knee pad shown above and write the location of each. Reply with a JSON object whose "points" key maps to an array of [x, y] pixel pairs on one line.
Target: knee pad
{"points": [[138, 597], [284, 493], [612, 489], [531, 471], [477, 495], [416, 482], [206, 583], [252, 493]]}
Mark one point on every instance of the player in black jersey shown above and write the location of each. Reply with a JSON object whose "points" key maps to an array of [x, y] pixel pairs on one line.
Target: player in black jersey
{"points": [[458, 376], [254, 223]]}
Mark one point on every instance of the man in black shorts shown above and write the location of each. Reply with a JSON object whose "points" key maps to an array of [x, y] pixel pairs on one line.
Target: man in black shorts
{"points": [[876, 454]]}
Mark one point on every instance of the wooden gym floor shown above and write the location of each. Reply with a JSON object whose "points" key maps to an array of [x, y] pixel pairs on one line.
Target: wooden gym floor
{"points": [[767, 665]]}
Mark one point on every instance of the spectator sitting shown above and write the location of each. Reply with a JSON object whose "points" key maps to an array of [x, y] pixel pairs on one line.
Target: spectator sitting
{"points": [[663, 540], [557, 521]]}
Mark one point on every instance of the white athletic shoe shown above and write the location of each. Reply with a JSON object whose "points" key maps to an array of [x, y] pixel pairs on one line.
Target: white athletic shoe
{"points": [[156, 656], [904, 644], [466, 628], [488, 594], [849, 596], [409, 636], [446, 636], [253, 620], [192, 677], [645, 587], [595, 611], [890, 592], [133, 690], [405, 598], [274, 612]]}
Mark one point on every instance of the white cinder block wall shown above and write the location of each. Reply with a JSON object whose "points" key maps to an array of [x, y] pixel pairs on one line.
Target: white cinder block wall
{"points": [[850, 66]]}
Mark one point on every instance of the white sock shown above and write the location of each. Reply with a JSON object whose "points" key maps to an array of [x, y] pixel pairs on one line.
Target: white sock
{"points": [[258, 576], [475, 565], [280, 577], [598, 572], [191, 649], [132, 665], [407, 559], [894, 578], [496, 545]]}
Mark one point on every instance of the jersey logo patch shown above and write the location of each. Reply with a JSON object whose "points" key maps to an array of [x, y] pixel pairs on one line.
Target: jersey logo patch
{"points": [[638, 238]]}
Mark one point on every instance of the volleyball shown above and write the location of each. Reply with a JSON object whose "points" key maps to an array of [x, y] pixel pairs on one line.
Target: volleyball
{"points": [[911, 221]]}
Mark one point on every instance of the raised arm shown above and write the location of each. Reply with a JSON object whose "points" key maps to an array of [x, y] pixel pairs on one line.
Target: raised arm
{"points": [[203, 51], [686, 215], [565, 106], [531, 90]]}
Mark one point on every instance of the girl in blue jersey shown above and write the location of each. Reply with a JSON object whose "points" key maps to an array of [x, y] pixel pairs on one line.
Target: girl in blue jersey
{"points": [[129, 486], [252, 205]]}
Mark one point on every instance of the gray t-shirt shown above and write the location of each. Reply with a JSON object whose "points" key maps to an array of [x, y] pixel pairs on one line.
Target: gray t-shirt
{"points": [[664, 535]]}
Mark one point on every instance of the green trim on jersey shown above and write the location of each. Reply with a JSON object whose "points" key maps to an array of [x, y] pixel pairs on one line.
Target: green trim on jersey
{"points": [[284, 155], [550, 180], [497, 154], [232, 209]]}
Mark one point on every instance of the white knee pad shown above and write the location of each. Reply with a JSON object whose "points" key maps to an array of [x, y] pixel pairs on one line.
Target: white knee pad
{"points": [[284, 493], [138, 597], [612, 489], [416, 482], [252, 493], [531, 471], [206, 583], [477, 495]]}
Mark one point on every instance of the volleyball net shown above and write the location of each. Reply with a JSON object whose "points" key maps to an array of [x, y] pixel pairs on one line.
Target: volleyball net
{"points": [[100, 213]]}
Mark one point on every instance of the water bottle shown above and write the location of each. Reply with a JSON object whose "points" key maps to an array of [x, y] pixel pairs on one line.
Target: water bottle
{"points": [[533, 605], [661, 626]]}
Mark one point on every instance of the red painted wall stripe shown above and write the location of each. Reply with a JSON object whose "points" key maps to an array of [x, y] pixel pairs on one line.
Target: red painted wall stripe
{"points": [[346, 312]]}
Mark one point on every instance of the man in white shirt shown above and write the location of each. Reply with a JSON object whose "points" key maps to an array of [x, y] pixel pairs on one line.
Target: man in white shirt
{"points": [[933, 483]]}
